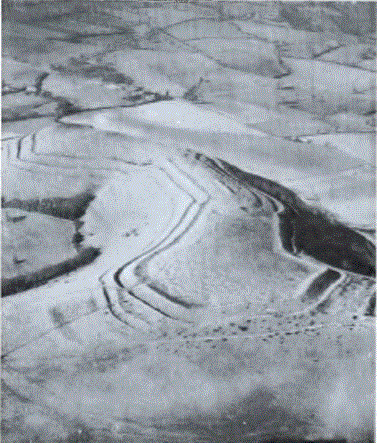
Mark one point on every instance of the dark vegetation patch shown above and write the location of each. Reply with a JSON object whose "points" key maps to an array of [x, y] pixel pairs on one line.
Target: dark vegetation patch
{"points": [[287, 230], [265, 67], [257, 414], [31, 280], [106, 73], [64, 107], [371, 308], [307, 229], [70, 208], [292, 14], [77, 240], [37, 110], [58, 317], [334, 244], [161, 290], [319, 284]]}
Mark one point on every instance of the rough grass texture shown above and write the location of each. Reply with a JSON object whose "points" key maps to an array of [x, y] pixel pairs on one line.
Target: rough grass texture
{"points": [[31, 241]]}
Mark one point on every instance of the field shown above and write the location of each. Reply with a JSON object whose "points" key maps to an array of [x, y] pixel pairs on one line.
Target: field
{"points": [[34, 242], [183, 115], [361, 145], [207, 270], [188, 222]]}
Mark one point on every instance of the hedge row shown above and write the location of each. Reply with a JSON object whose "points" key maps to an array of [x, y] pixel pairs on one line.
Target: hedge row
{"points": [[68, 208], [31, 280]]}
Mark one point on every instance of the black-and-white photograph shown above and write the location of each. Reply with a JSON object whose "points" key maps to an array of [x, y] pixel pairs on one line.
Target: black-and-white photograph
{"points": [[188, 221]]}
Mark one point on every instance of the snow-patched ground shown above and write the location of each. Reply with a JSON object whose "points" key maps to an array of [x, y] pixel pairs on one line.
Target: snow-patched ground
{"points": [[178, 114], [349, 194], [359, 145], [349, 122], [185, 115], [284, 123], [90, 361], [36, 241], [322, 76], [139, 64], [9, 136], [84, 93], [18, 74], [315, 170], [83, 362], [175, 69], [204, 28], [360, 55], [295, 37]]}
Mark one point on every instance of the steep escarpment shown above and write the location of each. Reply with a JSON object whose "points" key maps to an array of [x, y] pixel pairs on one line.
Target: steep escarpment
{"points": [[311, 231]]}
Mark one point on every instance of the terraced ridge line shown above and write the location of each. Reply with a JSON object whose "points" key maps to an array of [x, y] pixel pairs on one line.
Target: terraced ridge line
{"points": [[23, 152], [134, 279], [132, 276], [294, 215]]}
